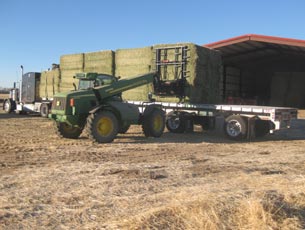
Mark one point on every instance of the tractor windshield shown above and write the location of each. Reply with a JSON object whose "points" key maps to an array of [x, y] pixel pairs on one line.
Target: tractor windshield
{"points": [[101, 79], [85, 84]]}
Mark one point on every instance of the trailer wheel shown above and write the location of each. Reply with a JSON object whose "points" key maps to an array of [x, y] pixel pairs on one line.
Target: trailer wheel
{"points": [[102, 126], [154, 123], [67, 131], [7, 106], [44, 110], [175, 122], [262, 128], [235, 127]]}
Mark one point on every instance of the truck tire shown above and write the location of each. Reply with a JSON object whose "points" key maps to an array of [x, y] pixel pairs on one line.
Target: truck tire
{"points": [[8, 106], [235, 127], [261, 128], [44, 109], [175, 122], [154, 123], [102, 126], [67, 131]]}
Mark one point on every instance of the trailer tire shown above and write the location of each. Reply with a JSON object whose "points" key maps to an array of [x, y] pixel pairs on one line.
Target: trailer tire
{"points": [[44, 109], [102, 126], [154, 123], [235, 127], [67, 131], [175, 122], [262, 128]]}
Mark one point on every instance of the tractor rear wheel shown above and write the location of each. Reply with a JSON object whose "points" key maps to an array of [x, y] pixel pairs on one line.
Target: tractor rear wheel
{"points": [[102, 126], [67, 131], [154, 123], [124, 129]]}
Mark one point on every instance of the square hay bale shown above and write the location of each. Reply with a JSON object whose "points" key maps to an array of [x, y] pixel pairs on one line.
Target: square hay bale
{"points": [[72, 61], [49, 83], [99, 62], [133, 62], [67, 79], [204, 73]]}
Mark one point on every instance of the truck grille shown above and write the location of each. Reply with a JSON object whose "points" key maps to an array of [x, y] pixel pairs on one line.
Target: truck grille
{"points": [[59, 103]]}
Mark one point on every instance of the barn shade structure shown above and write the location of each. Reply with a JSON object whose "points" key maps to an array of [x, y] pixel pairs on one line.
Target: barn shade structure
{"points": [[262, 69]]}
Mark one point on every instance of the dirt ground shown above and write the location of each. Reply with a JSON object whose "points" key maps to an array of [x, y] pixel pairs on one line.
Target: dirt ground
{"points": [[179, 181]]}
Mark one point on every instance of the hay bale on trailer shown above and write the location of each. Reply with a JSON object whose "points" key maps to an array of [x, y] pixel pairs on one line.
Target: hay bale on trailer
{"points": [[99, 62], [132, 62], [70, 64], [204, 71], [49, 83]]}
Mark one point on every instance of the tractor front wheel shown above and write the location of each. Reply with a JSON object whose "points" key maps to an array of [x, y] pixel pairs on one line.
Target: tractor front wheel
{"points": [[102, 126], [67, 131]]}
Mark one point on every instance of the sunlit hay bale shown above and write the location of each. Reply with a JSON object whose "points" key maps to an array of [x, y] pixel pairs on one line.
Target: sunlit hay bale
{"points": [[72, 61], [133, 62], [204, 71], [99, 62], [67, 79], [49, 83]]}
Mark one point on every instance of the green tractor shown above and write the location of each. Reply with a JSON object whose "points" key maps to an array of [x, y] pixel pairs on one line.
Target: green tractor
{"points": [[97, 107]]}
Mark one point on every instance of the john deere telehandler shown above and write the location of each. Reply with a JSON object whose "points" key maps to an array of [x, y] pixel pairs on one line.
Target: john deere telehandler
{"points": [[98, 108]]}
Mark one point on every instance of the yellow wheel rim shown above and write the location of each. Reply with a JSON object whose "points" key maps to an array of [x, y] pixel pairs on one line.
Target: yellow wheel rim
{"points": [[104, 126], [157, 122]]}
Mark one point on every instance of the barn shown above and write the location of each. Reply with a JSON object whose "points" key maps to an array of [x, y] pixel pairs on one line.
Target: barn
{"points": [[263, 70]]}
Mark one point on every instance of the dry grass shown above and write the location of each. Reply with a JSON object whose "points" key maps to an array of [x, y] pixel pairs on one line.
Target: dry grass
{"points": [[188, 181]]}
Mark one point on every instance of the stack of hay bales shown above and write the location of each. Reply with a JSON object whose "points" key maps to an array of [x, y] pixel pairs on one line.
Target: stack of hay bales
{"points": [[133, 62], [99, 62], [70, 65], [49, 83], [203, 78], [204, 72]]}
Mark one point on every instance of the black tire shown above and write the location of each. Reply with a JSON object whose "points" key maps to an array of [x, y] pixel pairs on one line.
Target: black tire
{"points": [[102, 126], [154, 123], [8, 106], [175, 122], [67, 131], [44, 110], [262, 128], [124, 129], [235, 127]]}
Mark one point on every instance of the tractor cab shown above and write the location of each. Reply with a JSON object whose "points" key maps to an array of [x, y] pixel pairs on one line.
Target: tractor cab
{"points": [[91, 80]]}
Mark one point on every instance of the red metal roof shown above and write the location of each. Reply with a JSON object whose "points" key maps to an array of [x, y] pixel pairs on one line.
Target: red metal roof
{"points": [[258, 38], [251, 47]]}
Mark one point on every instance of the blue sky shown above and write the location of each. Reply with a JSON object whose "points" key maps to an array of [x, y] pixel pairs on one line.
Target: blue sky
{"points": [[35, 33]]}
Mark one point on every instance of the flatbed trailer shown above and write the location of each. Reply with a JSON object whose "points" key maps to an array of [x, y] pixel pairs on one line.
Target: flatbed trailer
{"points": [[236, 121]]}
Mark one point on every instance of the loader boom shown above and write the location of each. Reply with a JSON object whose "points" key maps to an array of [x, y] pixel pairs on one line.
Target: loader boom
{"points": [[104, 92]]}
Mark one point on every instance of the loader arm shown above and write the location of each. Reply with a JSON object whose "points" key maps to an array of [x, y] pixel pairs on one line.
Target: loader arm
{"points": [[107, 91]]}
